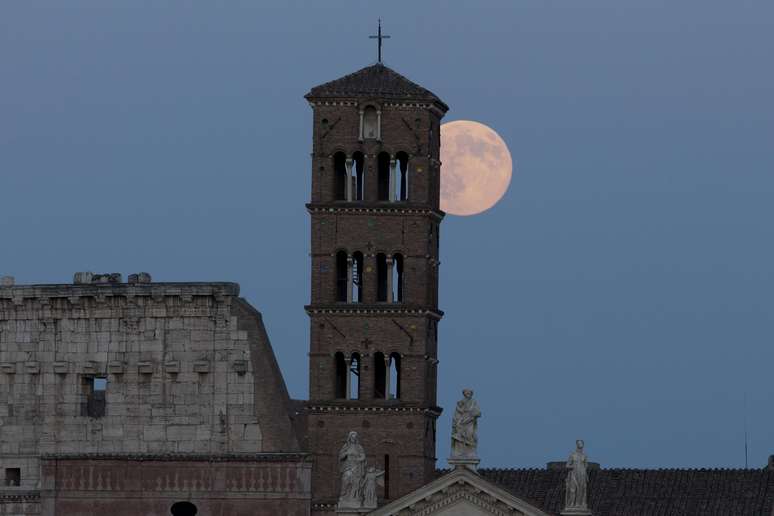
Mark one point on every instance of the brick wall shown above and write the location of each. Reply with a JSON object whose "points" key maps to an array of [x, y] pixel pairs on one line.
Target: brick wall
{"points": [[233, 485]]}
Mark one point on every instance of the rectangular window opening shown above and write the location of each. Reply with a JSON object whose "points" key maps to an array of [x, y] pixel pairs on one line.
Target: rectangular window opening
{"points": [[13, 477], [95, 393]]}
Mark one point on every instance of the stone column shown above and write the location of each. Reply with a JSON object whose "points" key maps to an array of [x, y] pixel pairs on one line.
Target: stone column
{"points": [[392, 179], [348, 362], [379, 124], [389, 279], [349, 278], [387, 361], [360, 133], [348, 166]]}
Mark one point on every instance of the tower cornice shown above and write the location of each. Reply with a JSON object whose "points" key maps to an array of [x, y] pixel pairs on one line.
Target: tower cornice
{"points": [[359, 208], [359, 309]]}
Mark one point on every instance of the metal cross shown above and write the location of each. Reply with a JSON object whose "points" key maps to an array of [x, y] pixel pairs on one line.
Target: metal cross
{"points": [[380, 38]]}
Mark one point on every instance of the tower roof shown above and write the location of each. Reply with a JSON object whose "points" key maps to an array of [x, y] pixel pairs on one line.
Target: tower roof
{"points": [[375, 81]]}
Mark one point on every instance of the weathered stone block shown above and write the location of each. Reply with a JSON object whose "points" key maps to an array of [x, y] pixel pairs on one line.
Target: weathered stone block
{"points": [[172, 366], [115, 367], [145, 367], [201, 366]]}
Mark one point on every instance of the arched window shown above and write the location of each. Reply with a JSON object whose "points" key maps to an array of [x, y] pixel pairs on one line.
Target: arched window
{"points": [[381, 277], [380, 376], [358, 176], [183, 509], [357, 277], [397, 278], [370, 123], [340, 176], [401, 181], [383, 176], [341, 276], [341, 375], [354, 377], [394, 376]]}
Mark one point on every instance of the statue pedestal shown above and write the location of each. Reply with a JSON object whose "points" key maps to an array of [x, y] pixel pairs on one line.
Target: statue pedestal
{"points": [[464, 462], [576, 512], [354, 511]]}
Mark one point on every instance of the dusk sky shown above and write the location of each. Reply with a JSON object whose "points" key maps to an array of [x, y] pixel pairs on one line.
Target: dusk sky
{"points": [[621, 292]]}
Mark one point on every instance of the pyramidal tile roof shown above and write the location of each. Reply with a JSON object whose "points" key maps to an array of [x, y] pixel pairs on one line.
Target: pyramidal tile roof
{"points": [[375, 81], [642, 492]]}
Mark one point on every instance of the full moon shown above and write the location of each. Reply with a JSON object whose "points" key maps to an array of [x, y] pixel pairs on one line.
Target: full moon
{"points": [[475, 167]]}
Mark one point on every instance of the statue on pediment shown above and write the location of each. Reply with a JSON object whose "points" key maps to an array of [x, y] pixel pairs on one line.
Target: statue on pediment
{"points": [[465, 427]]}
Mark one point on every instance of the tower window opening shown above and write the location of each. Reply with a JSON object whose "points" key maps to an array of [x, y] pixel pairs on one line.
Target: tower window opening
{"points": [[381, 277], [401, 181], [370, 123], [358, 176], [394, 376], [397, 278], [341, 276], [357, 277], [340, 176], [341, 375], [354, 377], [383, 176], [380, 376]]}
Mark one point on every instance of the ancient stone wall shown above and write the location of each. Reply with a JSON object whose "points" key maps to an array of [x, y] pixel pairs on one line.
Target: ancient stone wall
{"points": [[177, 361]]}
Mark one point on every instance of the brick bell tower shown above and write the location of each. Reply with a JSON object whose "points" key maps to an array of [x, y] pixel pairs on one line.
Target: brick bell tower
{"points": [[374, 298]]}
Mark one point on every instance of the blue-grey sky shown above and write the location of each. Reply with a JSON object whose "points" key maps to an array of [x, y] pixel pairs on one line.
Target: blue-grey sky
{"points": [[622, 290]]}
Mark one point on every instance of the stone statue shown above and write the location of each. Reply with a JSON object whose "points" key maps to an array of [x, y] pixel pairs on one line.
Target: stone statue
{"points": [[464, 427], [352, 469], [369, 492], [576, 484]]}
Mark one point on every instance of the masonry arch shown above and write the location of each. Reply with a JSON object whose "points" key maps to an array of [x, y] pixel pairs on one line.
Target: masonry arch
{"points": [[340, 176], [397, 278], [383, 167], [183, 509], [341, 276], [340, 368], [393, 376], [380, 376], [370, 123]]}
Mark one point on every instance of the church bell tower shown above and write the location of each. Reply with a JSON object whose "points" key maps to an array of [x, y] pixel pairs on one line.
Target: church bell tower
{"points": [[374, 314]]}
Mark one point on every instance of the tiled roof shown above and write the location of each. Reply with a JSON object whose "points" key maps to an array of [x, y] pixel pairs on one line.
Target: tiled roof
{"points": [[375, 81], [639, 492]]}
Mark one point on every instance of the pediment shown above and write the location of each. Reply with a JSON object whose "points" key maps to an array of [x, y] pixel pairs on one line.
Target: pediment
{"points": [[461, 492]]}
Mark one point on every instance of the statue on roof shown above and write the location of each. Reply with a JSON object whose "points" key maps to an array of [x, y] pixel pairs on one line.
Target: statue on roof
{"points": [[576, 483], [352, 470], [465, 427]]}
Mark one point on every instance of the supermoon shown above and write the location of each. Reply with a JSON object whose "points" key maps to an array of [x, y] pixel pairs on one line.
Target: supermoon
{"points": [[475, 167]]}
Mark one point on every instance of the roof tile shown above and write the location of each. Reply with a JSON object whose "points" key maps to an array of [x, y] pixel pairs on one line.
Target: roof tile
{"points": [[375, 81]]}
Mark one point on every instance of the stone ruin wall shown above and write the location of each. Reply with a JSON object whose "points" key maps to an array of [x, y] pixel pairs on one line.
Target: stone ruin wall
{"points": [[179, 366]]}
